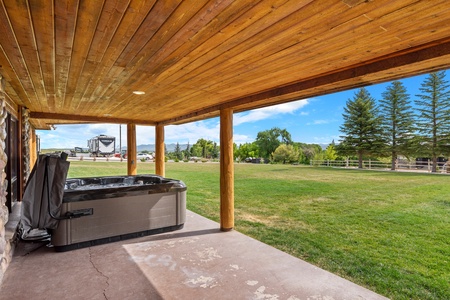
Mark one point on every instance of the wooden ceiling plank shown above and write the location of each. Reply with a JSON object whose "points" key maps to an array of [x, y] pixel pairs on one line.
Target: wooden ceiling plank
{"points": [[155, 19], [17, 89], [65, 20], [196, 33], [154, 109], [311, 25], [314, 12], [156, 33], [42, 16], [21, 23], [229, 93], [244, 38], [86, 23], [293, 51], [271, 10], [13, 52], [164, 34], [386, 45], [332, 79], [134, 16], [110, 19], [206, 14], [245, 24]]}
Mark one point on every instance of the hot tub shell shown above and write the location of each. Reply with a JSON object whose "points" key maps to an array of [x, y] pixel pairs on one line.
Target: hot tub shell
{"points": [[107, 209]]}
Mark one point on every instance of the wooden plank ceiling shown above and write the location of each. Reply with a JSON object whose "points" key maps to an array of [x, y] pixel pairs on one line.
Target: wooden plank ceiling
{"points": [[79, 61]]}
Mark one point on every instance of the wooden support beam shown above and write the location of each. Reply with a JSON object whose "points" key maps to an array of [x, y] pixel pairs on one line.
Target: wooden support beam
{"points": [[33, 148], [56, 117], [131, 149], [159, 151], [20, 175], [226, 170]]}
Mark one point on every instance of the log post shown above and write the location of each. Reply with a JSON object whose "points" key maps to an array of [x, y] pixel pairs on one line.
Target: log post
{"points": [[33, 148], [159, 151], [226, 170], [131, 149]]}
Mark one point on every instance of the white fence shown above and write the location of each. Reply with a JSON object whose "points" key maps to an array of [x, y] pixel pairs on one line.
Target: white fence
{"points": [[372, 164]]}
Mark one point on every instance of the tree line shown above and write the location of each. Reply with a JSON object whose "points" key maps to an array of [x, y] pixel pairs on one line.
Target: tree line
{"points": [[273, 145], [388, 128], [393, 127]]}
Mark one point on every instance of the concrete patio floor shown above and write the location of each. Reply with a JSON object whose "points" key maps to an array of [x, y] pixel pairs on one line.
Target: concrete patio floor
{"points": [[197, 262]]}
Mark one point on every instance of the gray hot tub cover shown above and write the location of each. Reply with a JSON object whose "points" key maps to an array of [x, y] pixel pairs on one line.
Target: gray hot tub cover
{"points": [[43, 196]]}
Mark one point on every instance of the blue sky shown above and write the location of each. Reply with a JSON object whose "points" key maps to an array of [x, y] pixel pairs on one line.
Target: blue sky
{"points": [[313, 120]]}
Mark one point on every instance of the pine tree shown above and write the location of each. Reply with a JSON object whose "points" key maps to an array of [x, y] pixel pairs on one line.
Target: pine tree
{"points": [[215, 151], [177, 151], [433, 119], [187, 152], [361, 127], [397, 121]]}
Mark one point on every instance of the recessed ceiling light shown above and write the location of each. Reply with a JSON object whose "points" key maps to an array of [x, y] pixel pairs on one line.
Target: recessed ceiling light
{"points": [[138, 92]]}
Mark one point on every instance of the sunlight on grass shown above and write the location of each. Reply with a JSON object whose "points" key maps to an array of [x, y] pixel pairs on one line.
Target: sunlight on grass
{"points": [[388, 231]]}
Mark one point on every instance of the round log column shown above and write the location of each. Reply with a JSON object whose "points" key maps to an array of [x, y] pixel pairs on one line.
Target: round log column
{"points": [[226, 170], [159, 151], [131, 149]]}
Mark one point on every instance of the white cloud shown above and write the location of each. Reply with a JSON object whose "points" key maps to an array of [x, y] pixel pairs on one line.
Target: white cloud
{"points": [[269, 112], [320, 122]]}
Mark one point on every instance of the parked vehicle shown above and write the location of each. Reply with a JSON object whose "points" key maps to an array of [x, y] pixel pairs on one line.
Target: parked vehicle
{"points": [[102, 145], [122, 154], [144, 156], [422, 162]]}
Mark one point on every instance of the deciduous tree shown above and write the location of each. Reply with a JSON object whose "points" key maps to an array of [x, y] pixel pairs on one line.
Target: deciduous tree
{"points": [[330, 152], [285, 153], [269, 140]]}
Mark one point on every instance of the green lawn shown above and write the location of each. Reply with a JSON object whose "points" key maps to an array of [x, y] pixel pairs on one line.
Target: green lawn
{"points": [[388, 231]]}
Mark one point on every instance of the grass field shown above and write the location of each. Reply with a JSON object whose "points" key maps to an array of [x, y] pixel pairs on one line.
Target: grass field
{"points": [[388, 231]]}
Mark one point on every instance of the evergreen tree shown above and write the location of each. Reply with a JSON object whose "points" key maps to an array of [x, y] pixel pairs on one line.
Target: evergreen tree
{"points": [[361, 127], [187, 152], [215, 151], [177, 151], [433, 119], [397, 121]]}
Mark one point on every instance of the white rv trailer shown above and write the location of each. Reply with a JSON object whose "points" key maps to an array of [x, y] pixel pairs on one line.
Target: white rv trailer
{"points": [[102, 145]]}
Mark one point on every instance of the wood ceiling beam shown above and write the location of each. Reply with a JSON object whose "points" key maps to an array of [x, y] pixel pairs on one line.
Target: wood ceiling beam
{"points": [[84, 119], [412, 56]]}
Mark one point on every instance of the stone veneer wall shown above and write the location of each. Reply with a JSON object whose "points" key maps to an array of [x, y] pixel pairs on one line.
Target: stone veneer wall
{"points": [[26, 137], [5, 245]]}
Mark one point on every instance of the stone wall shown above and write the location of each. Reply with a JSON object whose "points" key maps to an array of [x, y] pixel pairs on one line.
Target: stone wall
{"points": [[5, 246], [26, 139]]}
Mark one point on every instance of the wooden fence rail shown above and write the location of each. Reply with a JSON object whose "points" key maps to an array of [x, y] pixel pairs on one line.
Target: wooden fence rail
{"points": [[372, 164]]}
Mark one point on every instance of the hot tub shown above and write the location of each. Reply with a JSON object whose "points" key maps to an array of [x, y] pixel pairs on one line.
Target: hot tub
{"points": [[108, 209]]}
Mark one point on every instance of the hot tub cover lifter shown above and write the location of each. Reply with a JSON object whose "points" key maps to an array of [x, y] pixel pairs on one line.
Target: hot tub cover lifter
{"points": [[42, 200]]}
